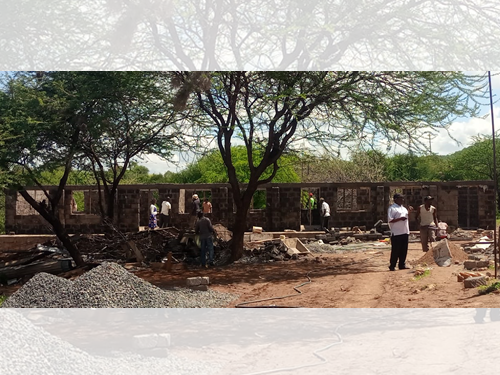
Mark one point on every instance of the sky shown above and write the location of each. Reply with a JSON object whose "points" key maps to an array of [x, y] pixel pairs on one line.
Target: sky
{"points": [[463, 130]]}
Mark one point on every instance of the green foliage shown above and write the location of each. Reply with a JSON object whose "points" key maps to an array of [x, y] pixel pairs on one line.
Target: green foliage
{"points": [[369, 166], [2, 299], [210, 168], [2, 212], [474, 162], [493, 287], [423, 274]]}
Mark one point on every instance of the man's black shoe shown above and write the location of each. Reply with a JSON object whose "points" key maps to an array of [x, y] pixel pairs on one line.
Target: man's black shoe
{"points": [[392, 269], [405, 268]]}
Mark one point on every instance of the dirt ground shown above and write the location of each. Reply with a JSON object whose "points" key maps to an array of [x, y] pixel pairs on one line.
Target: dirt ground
{"points": [[298, 341], [358, 280], [325, 280]]}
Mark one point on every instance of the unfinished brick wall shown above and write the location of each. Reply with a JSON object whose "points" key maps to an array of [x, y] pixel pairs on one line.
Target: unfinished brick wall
{"points": [[462, 204]]}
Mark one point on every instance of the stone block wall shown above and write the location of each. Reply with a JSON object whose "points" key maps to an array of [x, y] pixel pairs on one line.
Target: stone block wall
{"points": [[446, 202], [464, 204], [486, 207], [273, 209], [128, 209]]}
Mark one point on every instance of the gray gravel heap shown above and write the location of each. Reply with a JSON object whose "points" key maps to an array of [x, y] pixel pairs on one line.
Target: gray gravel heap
{"points": [[26, 349], [108, 286]]}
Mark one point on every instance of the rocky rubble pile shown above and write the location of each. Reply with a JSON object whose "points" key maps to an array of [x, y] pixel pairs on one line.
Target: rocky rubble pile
{"points": [[268, 251], [108, 286], [26, 349]]}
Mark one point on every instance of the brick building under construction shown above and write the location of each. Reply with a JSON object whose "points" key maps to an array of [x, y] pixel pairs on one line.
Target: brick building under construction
{"points": [[464, 204]]}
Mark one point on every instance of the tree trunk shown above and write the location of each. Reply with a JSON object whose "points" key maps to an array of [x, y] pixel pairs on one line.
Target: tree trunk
{"points": [[57, 226], [63, 236], [236, 245], [111, 204]]}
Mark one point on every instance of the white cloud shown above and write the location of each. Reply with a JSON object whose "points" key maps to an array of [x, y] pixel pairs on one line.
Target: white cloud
{"points": [[464, 131], [157, 165]]}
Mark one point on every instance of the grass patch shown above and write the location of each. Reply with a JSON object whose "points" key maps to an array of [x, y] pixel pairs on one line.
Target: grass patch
{"points": [[2, 299], [485, 289], [419, 274]]}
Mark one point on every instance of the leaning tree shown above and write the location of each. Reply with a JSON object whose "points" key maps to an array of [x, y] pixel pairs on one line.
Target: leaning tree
{"points": [[273, 112], [44, 127]]}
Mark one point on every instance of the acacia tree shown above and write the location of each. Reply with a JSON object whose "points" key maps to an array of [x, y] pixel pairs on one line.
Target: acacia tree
{"points": [[249, 34], [273, 111], [132, 116], [315, 35], [44, 132]]}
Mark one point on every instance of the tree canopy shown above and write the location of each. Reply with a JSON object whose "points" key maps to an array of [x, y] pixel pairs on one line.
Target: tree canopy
{"points": [[275, 111], [250, 34]]}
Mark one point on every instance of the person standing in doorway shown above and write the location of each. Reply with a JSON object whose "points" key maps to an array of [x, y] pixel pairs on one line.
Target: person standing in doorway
{"points": [[397, 217], [427, 214], [312, 202], [166, 207], [207, 207], [153, 211], [205, 230], [195, 208], [325, 214]]}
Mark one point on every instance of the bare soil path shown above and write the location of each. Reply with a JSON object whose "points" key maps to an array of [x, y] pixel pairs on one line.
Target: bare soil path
{"points": [[349, 280]]}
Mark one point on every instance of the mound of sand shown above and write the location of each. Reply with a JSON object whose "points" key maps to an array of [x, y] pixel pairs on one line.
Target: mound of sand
{"points": [[457, 254]]}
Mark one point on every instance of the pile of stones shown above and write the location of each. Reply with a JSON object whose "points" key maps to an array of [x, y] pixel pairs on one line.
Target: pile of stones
{"points": [[27, 349], [270, 251], [108, 286]]}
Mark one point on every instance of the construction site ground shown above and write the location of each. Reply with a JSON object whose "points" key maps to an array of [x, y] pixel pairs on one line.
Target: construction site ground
{"points": [[360, 279], [351, 279]]}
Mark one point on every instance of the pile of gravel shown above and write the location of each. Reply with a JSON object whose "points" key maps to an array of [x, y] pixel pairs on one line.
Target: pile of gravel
{"points": [[108, 286], [26, 349]]}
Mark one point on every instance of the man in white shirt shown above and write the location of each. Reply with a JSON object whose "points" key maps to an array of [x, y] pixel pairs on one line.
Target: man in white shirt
{"points": [[397, 217], [427, 214], [325, 214], [165, 213]]}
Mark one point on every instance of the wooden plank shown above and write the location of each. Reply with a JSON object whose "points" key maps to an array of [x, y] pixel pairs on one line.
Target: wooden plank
{"points": [[53, 267], [137, 252]]}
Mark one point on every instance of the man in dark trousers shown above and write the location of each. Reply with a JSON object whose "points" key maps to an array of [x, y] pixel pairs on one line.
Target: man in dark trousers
{"points": [[397, 217], [205, 230]]}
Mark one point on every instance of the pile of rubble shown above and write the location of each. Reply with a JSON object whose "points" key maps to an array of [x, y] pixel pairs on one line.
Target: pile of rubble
{"points": [[28, 349], [144, 247], [108, 286], [283, 249]]}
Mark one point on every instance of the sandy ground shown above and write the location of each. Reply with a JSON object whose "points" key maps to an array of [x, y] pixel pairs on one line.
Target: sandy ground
{"points": [[360, 279], [297, 341]]}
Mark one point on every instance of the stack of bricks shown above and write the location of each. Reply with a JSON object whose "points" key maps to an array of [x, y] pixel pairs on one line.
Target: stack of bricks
{"points": [[198, 283]]}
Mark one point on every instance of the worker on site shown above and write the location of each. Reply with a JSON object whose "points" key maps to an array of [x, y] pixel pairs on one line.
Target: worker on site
{"points": [[427, 214], [325, 215], [397, 217], [205, 230]]}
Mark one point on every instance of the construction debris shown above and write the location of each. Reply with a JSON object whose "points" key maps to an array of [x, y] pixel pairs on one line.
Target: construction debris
{"points": [[474, 282], [274, 250], [444, 253], [162, 248], [107, 286]]}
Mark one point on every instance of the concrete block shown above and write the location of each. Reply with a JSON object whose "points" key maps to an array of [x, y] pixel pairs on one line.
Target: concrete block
{"points": [[205, 280], [474, 282], [482, 263], [151, 341], [472, 264], [193, 281]]}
